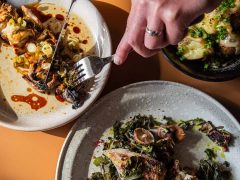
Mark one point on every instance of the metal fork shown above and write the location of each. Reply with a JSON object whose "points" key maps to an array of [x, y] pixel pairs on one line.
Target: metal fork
{"points": [[89, 67]]}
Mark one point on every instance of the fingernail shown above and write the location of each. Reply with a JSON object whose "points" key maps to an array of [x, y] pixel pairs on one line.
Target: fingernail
{"points": [[117, 60]]}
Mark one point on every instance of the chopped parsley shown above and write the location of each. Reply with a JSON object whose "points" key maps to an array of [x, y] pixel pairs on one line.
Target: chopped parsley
{"points": [[180, 52], [206, 66], [197, 32], [225, 5], [221, 33], [210, 42]]}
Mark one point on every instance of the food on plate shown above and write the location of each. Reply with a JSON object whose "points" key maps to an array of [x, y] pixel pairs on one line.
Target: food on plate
{"points": [[144, 148], [33, 36], [215, 39], [216, 134], [124, 159]]}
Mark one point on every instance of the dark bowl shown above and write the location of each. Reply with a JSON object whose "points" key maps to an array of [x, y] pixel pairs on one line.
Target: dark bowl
{"points": [[195, 68]]}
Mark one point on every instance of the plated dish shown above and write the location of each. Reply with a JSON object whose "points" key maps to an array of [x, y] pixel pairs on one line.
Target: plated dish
{"points": [[24, 106], [144, 148], [215, 39], [33, 36], [210, 49], [93, 135]]}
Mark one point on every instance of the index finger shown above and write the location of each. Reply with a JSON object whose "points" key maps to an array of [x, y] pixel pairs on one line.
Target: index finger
{"points": [[122, 51]]}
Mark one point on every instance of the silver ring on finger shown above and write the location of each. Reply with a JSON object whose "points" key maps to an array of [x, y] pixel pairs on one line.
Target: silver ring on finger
{"points": [[152, 32]]}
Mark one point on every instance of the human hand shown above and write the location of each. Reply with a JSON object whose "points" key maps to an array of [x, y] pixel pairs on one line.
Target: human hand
{"points": [[168, 17]]}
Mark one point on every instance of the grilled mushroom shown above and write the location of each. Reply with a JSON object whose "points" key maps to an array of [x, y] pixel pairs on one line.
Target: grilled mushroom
{"points": [[170, 131], [143, 136], [179, 133], [162, 132]]}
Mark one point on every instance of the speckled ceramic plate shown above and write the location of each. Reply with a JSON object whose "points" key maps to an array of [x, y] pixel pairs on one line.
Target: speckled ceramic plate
{"points": [[20, 116], [157, 98]]}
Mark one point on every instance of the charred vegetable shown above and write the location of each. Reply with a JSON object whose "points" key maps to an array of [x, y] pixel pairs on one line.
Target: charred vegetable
{"points": [[217, 135]]}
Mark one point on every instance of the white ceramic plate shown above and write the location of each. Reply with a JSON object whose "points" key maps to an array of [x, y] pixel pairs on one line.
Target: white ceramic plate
{"points": [[19, 116], [157, 98]]}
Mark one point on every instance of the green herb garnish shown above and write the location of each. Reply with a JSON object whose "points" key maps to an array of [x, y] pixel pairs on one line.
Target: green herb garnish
{"points": [[161, 151], [206, 66], [210, 154], [221, 33], [134, 169], [100, 160], [211, 170], [226, 5], [97, 176]]}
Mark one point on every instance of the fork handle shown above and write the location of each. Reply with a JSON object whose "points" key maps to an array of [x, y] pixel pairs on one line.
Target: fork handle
{"points": [[107, 60]]}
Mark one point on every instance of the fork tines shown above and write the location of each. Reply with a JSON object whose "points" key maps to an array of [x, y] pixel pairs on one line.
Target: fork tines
{"points": [[79, 78]]}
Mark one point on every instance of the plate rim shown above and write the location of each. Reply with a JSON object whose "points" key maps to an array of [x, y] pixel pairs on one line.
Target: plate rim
{"points": [[195, 75], [101, 88], [68, 139]]}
